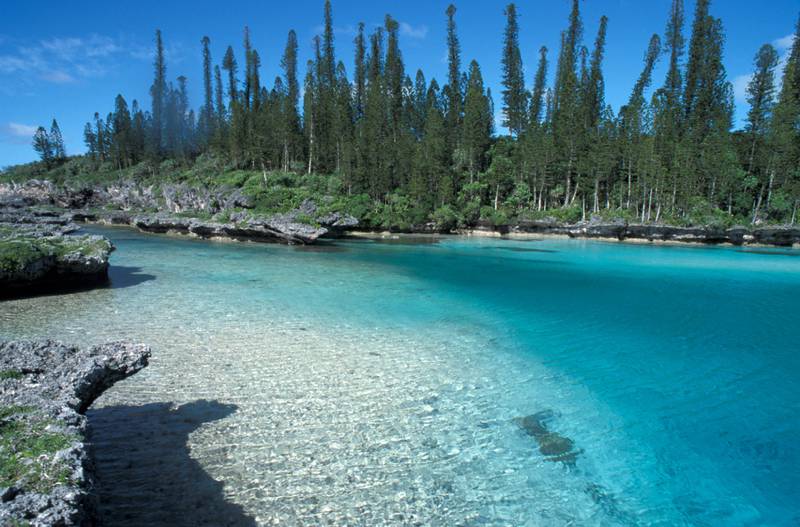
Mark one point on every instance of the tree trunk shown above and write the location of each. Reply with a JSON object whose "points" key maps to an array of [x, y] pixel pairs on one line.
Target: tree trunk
{"points": [[575, 194], [630, 178], [311, 147], [567, 183], [596, 207], [758, 205], [769, 189]]}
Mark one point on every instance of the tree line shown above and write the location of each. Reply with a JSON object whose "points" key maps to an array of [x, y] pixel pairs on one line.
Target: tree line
{"points": [[387, 133]]}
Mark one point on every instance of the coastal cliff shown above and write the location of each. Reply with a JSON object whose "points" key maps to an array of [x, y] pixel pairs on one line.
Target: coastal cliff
{"points": [[46, 473]]}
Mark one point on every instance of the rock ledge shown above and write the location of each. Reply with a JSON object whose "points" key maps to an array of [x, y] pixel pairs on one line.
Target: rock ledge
{"points": [[46, 474]]}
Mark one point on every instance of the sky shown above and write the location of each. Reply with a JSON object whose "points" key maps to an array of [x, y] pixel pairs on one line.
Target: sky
{"points": [[67, 60]]}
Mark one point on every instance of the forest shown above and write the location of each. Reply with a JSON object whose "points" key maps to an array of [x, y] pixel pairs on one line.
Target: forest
{"points": [[404, 149]]}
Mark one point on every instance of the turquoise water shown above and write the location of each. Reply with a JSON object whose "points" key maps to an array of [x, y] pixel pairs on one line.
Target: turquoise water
{"points": [[367, 382]]}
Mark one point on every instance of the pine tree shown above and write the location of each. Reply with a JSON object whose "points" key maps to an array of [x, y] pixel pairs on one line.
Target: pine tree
{"points": [[431, 184], [90, 140], [290, 121], [360, 73], [566, 103], [229, 65], [207, 113], [158, 92], [41, 145], [515, 97], [309, 111], [138, 133], [669, 118], [248, 75], [59, 152], [454, 101], [594, 97], [539, 88], [761, 98], [477, 122], [373, 167], [632, 118], [785, 137], [121, 151]]}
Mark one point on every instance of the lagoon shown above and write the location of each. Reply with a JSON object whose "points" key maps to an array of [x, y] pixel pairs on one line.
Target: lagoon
{"points": [[369, 382]]}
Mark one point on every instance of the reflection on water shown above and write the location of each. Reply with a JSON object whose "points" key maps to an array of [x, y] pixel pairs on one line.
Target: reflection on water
{"points": [[406, 384]]}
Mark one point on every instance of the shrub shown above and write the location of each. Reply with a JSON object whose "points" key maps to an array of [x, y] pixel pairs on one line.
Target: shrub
{"points": [[445, 218]]}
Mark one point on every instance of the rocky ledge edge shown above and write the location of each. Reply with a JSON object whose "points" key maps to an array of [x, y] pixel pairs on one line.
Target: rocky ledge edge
{"points": [[37, 202], [35, 255], [46, 473], [781, 236]]}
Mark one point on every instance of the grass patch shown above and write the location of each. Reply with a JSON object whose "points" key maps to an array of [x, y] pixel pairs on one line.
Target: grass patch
{"points": [[28, 451], [9, 374]]}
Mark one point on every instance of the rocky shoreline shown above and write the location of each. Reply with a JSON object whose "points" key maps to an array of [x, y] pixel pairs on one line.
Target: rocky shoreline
{"points": [[780, 236], [125, 203], [46, 473]]}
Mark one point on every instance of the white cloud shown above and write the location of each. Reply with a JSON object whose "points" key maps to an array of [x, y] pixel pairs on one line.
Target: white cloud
{"points": [[410, 31], [343, 31], [784, 43], [58, 77], [17, 133], [740, 88], [21, 130], [62, 60]]}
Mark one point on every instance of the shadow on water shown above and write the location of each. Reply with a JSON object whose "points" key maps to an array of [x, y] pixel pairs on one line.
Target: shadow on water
{"points": [[145, 473], [119, 276]]}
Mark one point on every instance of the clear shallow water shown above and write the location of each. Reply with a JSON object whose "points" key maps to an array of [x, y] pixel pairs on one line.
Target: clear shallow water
{"points": [[369, 383]]}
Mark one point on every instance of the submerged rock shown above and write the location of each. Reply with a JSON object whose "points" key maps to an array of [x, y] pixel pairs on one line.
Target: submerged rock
{"points": [[45, 386], [552, 445]]}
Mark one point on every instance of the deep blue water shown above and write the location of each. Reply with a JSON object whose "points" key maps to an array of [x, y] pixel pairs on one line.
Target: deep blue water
{"points": [[673, 369]]}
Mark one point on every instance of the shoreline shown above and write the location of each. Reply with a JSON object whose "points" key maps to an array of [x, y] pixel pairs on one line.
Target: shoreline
{"points": [[529, 236], [466, 233]]}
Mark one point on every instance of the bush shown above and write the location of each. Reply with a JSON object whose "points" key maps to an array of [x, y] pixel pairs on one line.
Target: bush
{"points": [[445, 218], [496, 218]]}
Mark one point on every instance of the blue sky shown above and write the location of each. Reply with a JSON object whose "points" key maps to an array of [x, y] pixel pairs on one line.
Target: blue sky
{"points": [[69, 59]]}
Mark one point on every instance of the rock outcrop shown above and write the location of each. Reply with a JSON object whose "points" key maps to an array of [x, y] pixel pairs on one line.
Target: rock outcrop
{"points": [[124, 204], [45, 387], [33, 255], [274, 229]]}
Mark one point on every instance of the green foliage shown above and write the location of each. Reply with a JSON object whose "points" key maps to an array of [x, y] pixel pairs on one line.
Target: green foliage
{"points": [[445, 218], [28, 450], [702, 213], [396, 152], [571, 214], [496, 218], [10, 374]]}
